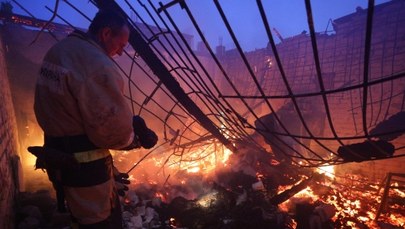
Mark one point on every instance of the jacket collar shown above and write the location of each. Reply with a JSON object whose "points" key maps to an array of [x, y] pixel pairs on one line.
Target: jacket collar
{"points": [[87, 37]]}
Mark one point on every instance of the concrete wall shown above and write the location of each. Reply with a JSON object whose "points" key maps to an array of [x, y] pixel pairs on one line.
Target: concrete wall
{"points": [[9, 159]]}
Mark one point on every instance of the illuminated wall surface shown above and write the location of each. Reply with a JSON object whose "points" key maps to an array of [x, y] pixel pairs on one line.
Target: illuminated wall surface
{"points": [[286, 101], [9, 160]]}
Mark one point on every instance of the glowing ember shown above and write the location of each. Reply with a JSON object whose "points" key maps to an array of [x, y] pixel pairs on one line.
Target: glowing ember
{"points": [[172, 222], [160, 196], [208, 200], [356, 202], [397, 191]]}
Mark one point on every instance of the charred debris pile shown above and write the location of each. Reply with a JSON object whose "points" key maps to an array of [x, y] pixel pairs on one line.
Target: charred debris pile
{"points": [[255, 191]]}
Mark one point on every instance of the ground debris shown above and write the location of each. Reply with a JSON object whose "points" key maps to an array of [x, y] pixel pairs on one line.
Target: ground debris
{"points": [[38, 210], [217, 209]]}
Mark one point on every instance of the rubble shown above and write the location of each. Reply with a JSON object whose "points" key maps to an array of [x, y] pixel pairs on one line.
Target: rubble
{"points": [[252, 191], [216, 209], [276, 196], [38, 210], [234, 200]]}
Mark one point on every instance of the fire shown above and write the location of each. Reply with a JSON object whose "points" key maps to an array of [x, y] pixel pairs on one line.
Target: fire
{"points": [[127, 201], [328, 170], [356, 203], [193, 169], [160, 196], [351, 207], [202, 161], [306, 195], [397, 190], [354, 199]]}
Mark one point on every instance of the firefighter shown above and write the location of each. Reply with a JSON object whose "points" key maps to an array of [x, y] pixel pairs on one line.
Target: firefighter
{"points": [[79, 104]]}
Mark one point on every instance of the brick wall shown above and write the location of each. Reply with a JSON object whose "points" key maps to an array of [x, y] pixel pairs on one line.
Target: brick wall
{"points": [[23, 63], [387, 57], [9, 159], [341, 57]]}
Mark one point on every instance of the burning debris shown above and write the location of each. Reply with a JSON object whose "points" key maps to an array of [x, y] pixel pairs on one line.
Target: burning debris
{"points": [[253, 191]]}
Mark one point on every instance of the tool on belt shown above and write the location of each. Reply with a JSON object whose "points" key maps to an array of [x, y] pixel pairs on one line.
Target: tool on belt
{"points": [[53, 161], [68, 152]]}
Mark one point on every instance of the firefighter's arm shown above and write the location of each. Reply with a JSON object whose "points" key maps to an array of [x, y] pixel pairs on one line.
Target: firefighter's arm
{"points": [[106, 114]]}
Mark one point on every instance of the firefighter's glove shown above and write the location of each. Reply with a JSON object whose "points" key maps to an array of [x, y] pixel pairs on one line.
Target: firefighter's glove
{"points": [[146, 136], [121, 182]]}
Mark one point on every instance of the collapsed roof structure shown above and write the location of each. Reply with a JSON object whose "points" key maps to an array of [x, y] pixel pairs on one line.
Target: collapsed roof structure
{"points": [[314, 99]]}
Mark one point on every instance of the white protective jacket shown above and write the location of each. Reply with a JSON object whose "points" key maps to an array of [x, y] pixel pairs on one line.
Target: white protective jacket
{"points": [[80, 91]]}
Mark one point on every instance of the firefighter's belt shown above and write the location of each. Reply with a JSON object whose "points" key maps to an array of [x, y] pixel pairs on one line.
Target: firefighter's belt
{"points": [[70, 144], [49, 158], [91, 155]]}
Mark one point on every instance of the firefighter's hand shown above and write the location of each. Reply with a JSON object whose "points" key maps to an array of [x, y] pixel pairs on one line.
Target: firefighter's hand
{"points": [[146, 136], [121, 181], [149, 139]]}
